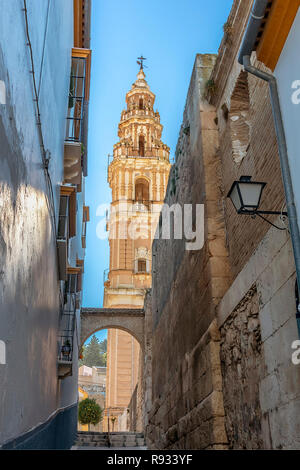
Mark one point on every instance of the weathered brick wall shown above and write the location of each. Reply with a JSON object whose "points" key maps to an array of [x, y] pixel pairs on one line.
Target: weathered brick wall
{"points": [[261, 160], [258, 256], [229, 47], [187, 408]]}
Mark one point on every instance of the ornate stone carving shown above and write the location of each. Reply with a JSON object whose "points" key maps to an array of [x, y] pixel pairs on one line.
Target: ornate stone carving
{"points": [[142, 253]]}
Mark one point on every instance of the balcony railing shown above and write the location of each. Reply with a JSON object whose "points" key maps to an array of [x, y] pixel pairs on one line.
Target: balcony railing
{"points": [[67, 326], [76, 100], [135, 152]]}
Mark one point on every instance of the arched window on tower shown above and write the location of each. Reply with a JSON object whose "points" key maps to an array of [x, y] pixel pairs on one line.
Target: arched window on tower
{"points": [[141, 103], [142, 193], [141, 146]]}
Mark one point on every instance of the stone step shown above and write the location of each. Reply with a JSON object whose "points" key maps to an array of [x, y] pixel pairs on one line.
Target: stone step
{"points": [[117, 439], [86, 439]]}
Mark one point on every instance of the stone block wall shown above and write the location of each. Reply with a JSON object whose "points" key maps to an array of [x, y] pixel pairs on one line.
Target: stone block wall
{"points": [[224, 317], [242, 363], [189, 414], [147, 369], [272, 376], [187, 405]]}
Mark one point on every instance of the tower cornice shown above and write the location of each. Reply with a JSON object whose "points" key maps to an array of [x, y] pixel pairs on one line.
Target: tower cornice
{"points": [[140, 119], [140, 90]]}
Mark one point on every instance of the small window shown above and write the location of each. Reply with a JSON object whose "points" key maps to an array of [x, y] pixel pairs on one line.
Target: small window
{"points": [[141, 103], [142, 266]]}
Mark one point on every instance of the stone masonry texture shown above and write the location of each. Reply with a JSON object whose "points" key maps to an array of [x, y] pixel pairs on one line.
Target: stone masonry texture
{"points": [[187, 409], [242, 369], [223, 317]]}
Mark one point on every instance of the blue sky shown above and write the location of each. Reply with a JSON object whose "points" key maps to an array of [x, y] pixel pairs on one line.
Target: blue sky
{"points": [[101, 335], [169, 33]]}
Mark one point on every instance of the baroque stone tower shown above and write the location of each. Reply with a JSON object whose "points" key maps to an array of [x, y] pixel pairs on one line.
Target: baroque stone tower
{"points": [[138, 177]]}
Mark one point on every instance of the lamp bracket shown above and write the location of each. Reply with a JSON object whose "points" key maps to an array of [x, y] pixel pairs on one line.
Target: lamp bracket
{"points": [[259, 213], [245, 212]]}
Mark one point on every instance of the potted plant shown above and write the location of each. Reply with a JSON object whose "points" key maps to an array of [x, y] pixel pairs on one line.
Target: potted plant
{"points": [[89, 412]]}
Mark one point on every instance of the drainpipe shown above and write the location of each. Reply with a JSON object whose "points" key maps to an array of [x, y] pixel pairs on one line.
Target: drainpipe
{"points": [[256, 17]]}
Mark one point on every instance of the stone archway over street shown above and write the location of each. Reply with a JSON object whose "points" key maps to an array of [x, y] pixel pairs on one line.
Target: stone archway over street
{"points": [[130, 320]]}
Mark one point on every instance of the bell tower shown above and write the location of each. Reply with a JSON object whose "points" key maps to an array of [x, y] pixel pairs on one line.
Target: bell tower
{"points": [[138, 176]]}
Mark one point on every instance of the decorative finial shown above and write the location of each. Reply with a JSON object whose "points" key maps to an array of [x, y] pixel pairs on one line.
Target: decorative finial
{"points": [[140, 61]]}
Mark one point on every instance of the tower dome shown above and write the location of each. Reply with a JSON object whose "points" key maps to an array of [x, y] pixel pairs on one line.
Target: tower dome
{"points": [[141, 80]]}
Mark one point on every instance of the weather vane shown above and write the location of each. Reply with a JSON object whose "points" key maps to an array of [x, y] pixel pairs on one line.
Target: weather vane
{"points": [[140, 61]]}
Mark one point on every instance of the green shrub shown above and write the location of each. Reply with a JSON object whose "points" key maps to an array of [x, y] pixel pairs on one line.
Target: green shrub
{"points": [[89, 412]]}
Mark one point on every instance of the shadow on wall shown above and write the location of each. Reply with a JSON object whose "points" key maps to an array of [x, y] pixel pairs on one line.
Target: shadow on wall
{"points": [[57, 433]]}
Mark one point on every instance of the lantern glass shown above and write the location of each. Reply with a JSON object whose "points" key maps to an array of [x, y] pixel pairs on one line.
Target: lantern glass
{"points": [[235, 197], [251, 195], [246, 195]]}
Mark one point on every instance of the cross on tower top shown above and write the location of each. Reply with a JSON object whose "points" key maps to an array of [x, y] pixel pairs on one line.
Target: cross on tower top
{"points": [[140, 61]]}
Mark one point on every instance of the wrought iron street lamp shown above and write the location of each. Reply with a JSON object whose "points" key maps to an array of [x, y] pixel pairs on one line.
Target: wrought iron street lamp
{"points": [[246, 196]]}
